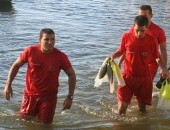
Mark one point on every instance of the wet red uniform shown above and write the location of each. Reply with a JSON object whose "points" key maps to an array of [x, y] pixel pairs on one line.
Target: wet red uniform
{"points": [[40, 94], [138, 53], [159, 34]]}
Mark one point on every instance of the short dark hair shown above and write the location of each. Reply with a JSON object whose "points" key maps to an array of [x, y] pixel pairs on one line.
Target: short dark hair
{"points": [[146, 7], [46, 31], [141, 21]]}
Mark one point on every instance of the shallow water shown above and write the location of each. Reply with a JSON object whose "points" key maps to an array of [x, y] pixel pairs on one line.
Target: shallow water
{"points": [[87, 31]]}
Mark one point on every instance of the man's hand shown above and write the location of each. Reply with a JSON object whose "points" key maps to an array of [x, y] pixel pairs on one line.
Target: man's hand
{"points": [[164, 74], [67, 103], [8, 92]]}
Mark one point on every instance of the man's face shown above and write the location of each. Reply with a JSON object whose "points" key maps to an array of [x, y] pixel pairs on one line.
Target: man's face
{"points": [[139, 31], [145, 13], [47, 42]]}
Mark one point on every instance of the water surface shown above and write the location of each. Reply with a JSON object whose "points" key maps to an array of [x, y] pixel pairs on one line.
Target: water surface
{"points": [[87, 31]]}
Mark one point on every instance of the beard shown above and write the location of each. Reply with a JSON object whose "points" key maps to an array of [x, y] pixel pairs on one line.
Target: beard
{"points": [[47, 48]]}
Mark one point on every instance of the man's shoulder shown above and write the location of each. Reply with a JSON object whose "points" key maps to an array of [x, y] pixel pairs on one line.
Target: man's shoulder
{"points": [[33, 46], [157, 27], [58, 51], [128, 34], [149, 36]]}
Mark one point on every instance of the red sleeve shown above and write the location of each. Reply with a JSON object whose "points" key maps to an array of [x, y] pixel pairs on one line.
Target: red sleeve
{"points": [[131, 29], [65, 62], [162, 36], [24, 55], [123, 43]]}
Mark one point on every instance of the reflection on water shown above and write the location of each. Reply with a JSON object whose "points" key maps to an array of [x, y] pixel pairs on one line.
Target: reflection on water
{"points": [[6, 7]]}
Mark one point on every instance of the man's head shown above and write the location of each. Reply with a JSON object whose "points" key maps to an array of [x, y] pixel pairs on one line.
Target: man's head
{"points": [[146, 10], [47, 40], [140, 26]]}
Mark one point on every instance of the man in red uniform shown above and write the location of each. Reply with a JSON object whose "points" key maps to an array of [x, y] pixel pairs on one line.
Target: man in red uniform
{"points": [[158, 33], [138, 48], [44, 65]]}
